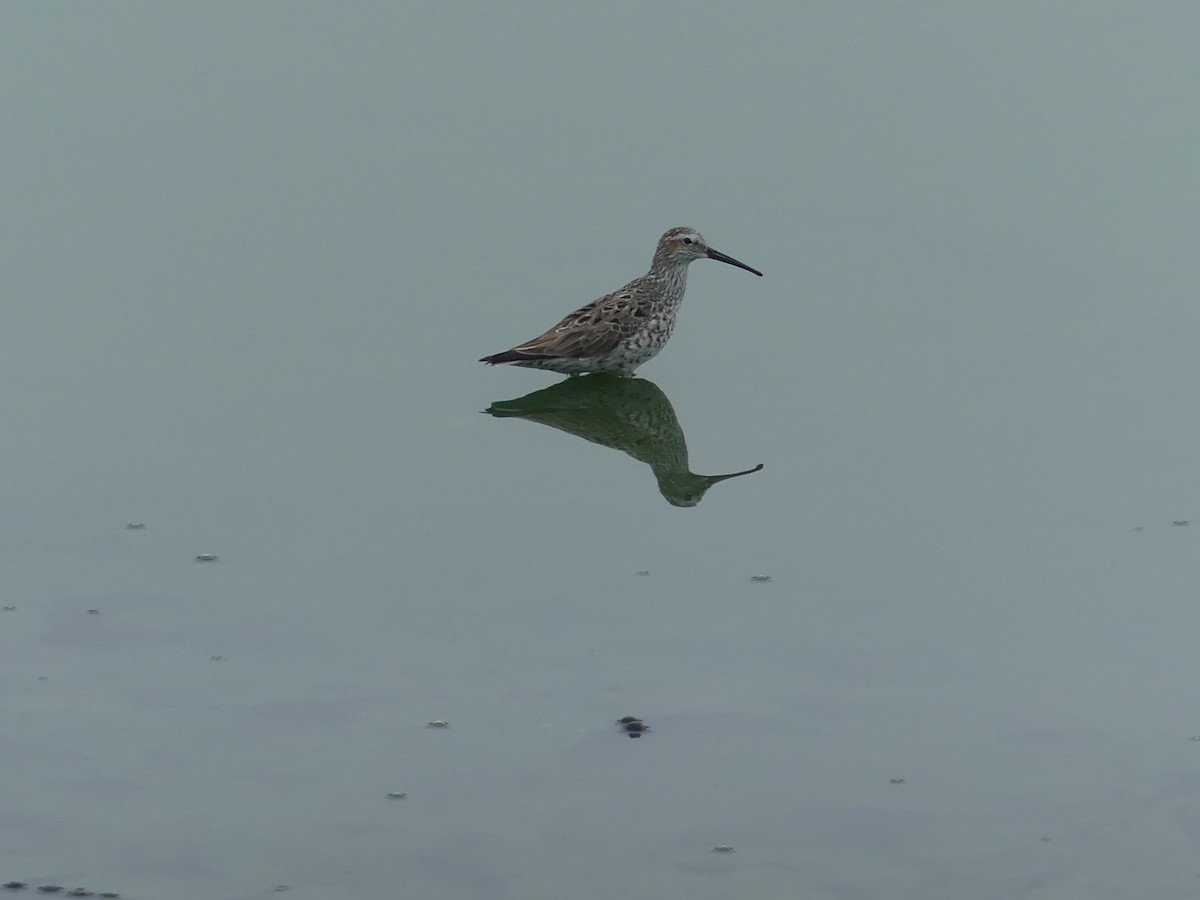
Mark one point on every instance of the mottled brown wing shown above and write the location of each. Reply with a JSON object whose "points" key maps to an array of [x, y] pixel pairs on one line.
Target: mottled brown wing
{"points": [[592, 330]]}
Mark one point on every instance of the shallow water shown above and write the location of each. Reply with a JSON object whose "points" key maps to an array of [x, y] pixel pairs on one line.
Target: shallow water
{"points": [[254, 255]]}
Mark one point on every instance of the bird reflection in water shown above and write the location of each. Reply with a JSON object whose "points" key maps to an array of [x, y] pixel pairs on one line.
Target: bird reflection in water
{"points": [[628, 414]]}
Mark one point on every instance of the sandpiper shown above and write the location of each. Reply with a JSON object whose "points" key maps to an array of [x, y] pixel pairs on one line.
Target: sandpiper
{"points": [[620, 331]]}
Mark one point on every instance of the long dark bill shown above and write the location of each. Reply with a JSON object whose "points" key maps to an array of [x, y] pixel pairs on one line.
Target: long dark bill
{"points": [[721, 257]]}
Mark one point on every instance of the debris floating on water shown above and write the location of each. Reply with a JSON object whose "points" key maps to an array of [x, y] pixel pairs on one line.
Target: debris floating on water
{"points": [[632, 726]]}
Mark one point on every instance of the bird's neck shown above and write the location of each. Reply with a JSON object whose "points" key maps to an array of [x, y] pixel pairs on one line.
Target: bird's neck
{"points": [[672, 275]]}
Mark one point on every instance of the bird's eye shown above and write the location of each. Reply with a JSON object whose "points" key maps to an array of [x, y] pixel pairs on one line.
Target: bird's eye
{"points": [[687, 240]]}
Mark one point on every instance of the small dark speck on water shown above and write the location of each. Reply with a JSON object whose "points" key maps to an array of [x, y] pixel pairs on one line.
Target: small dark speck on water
{"points": [[1196, 737], [633, 726], [134, 526], [216, 658], [15, 885], [206, 557], [1138, 528], [895, 781], [93, 612], [1180, 523], [10, 609], [761, 579], [644, 572], [1044, 839], [43, 678]]}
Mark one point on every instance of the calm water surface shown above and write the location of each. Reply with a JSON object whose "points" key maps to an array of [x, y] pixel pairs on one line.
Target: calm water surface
{"points": [[941, 645]]}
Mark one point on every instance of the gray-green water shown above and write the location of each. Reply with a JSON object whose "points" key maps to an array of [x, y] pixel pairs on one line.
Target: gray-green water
{"points": [[252, 253]]}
